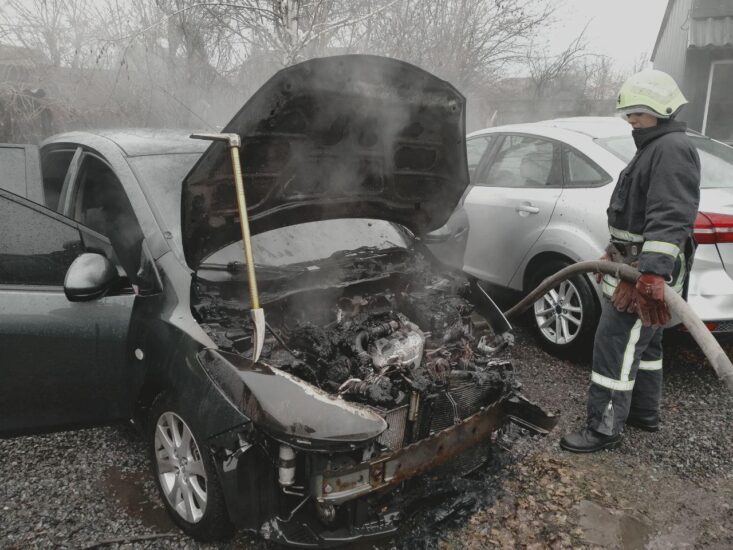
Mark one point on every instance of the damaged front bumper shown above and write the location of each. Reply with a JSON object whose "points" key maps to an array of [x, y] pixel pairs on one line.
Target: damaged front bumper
{"points": [[390, 469], [358, 483]]}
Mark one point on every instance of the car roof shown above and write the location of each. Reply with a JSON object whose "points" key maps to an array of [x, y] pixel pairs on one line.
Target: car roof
{"points": [[136, 142], [590, 126]]}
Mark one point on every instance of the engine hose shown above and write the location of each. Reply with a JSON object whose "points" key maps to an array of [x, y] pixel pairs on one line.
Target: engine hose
{"points": [[677, 306]]}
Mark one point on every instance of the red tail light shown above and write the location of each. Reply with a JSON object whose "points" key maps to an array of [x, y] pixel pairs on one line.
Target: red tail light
{"points": [[713, 228], [711, 326]]}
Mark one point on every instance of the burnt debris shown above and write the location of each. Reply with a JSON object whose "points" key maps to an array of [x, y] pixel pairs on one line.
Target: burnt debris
{"points": [[378, 332]]}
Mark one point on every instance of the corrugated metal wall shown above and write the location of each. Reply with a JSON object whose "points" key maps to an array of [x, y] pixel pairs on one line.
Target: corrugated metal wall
{"points": [[687, 46], [672, 47]]}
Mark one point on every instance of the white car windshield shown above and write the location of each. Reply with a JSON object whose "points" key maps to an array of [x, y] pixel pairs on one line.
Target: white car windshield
{"points": [[716, 158]]}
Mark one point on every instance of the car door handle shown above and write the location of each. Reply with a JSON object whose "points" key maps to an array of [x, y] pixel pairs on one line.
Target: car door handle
{"points": [[527, 208]]}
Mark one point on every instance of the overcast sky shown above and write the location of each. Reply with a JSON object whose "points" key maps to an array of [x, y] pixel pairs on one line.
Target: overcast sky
{"points": [[620, 29]]}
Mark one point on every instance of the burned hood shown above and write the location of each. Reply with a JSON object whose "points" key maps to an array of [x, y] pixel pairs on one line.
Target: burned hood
{"points": [[288, 408], [337, 137]]}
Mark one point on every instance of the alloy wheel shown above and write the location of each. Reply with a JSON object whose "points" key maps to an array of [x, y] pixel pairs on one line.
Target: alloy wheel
{"points": [[180, 468], [559, 313]]}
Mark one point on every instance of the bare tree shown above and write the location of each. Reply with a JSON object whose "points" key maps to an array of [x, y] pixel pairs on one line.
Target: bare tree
{"points": [[187, 62], [293, 30], [602, 79], [60, 29], [545, 70], [469, 42]]}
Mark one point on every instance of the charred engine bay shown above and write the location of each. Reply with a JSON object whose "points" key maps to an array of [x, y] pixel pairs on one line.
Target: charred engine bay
{"points": [[374, 326]]}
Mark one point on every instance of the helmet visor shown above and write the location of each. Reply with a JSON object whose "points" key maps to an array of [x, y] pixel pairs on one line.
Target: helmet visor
{"points": [[625, 111]]}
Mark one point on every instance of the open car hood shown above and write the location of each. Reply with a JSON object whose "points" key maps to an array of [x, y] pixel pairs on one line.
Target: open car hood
{"points": [[336, 137]]}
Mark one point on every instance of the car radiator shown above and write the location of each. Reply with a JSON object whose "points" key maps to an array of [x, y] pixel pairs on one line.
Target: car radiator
{"points": [[436, 412]]}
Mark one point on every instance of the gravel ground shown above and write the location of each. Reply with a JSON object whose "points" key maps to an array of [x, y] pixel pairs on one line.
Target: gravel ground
{"points": [[672, 489]]}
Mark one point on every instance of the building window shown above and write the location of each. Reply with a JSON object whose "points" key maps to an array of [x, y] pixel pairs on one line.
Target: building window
{"points": [[718, 121]]}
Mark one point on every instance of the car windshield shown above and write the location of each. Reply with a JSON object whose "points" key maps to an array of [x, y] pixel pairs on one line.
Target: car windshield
{"points": [[716, 158], [313, 241], [161, 175]]}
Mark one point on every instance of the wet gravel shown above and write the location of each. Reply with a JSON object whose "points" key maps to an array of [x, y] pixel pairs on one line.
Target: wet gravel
{"points": [[85, 489], [90, 488], [695, 441]]}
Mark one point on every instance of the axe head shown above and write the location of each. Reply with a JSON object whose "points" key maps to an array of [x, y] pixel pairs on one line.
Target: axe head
{"points": [[232, 139], [258, 338]]}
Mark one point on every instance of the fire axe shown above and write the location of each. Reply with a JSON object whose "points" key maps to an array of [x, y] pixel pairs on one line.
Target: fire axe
{"points": [[256, 312]]}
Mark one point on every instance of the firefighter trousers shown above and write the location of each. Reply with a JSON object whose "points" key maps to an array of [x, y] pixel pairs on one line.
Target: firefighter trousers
{"points": [[627, 370]]}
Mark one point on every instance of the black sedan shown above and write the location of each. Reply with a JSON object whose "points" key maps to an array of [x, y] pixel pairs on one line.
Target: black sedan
{"points": [[124, 296]]}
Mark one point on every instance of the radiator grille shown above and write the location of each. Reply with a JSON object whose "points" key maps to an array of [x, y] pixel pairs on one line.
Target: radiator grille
{"points": [[394, 436], [460, 402], [436, 412]]}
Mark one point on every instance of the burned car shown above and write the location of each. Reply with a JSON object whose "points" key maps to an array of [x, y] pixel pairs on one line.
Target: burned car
{"points": [[124, 294]]}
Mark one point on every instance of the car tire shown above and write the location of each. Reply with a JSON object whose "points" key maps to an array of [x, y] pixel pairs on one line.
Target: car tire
{"points": [[185, 474], [565, 319]]}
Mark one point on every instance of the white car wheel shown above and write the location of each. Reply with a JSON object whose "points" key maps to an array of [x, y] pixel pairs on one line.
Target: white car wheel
{"points": [[566, 317], [559, 314]]}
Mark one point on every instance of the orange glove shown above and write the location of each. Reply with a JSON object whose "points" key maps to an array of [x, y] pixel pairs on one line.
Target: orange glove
{"points": [[604, 258], [651, 286], [651, 312], [623, 297], [649, 298]]}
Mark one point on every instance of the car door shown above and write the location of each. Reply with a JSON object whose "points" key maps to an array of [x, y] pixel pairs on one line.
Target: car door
{"points": [[448, 243], [579, 228], [63, 363], [510, 204]]}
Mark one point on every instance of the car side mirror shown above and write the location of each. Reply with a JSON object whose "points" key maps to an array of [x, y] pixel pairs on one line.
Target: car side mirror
{"points": [[90, 276]]}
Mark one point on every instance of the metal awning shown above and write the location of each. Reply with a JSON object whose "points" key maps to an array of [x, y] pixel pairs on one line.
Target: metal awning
{"points": [[711, 32], [710, 24]]}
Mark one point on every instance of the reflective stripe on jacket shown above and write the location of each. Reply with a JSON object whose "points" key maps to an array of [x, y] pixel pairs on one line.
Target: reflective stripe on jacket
{"points": [[679, 275]]}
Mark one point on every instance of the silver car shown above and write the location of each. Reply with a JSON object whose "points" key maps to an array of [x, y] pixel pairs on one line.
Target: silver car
{"points": [[538, 203]]}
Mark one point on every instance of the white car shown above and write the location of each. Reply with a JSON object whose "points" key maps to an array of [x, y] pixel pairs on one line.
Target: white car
{"points": [[537, 202]]}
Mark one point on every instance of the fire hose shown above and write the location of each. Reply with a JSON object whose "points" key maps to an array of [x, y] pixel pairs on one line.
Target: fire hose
{"points": [[677, 306]]}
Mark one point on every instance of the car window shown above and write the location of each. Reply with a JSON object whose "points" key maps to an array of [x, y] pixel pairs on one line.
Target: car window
{"points": [[716, 159], [580, 171], [312, 241], [621, 146], [101, 204], [55, 164], [36, 248], [12, 159], [475, 149], [522, 161]]}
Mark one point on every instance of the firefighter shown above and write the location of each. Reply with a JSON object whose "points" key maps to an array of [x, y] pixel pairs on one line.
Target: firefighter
{"points": [[650, 219]]}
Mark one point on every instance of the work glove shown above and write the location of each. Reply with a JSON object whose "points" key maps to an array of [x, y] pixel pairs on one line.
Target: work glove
{"points": [[604, 258], [651, 286], [648, 297], [623, 297], [652, 313]]}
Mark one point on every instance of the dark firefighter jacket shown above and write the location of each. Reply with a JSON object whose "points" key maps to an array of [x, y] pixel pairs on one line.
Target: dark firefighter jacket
{"points": [[656, 198]]}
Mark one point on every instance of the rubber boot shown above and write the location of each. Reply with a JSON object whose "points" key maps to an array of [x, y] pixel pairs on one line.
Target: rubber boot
{"points": [[589, 441], [643, 419]]}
